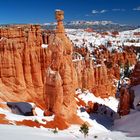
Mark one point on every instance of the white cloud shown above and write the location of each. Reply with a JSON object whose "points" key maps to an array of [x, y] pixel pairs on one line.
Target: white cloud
{"points": [[99, 12], [137, 9], [118, 10], [95, 11], [103, 11]]}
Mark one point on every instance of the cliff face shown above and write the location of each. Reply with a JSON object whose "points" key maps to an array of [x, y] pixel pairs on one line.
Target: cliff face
{"points": [[30, 73], [112, 58], [94, 78], [135, 76], [100, 77], [20, 63], [124, 106]]}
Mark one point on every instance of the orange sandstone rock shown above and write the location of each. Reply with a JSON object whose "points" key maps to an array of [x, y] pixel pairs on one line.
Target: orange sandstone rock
{"points": [[59, 88], [124, 105], [135, 76]]}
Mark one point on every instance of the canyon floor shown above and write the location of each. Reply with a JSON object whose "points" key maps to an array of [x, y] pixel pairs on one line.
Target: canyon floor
{"points": [[15, 132]]}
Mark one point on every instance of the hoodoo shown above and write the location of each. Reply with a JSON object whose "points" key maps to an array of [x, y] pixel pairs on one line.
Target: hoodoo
{"points": [[59, 88]]}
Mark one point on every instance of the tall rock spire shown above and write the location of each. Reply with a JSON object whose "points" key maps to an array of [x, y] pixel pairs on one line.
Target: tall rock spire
{"points": [[59, 15], [59, 90]]}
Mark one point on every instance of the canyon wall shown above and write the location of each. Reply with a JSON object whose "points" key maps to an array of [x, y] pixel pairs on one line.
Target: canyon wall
{"points": [[31, 73], [21, 64], [135, 76], [100, 75]]}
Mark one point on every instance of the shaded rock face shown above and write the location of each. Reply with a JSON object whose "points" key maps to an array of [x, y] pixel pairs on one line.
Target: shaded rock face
{"points": [[124, 105], [127, 97], [135, 76]]}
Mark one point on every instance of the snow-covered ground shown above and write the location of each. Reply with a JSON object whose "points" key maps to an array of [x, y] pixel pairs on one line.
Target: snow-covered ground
{"points": [[82, 38], [15, 117], [9, 132], [137, 95], [110, 102], [97, 129], [104, 117], [130, 123]]}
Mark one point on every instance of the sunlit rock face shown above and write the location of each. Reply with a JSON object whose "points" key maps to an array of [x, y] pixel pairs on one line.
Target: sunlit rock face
{"points": [[59, 87], [29, 72], [21, 67], [99, 75]]}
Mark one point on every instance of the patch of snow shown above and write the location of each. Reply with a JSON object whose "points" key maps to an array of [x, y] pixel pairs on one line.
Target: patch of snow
{"points": [[86, 96], [44, 45], [98, 65], [130, 123], [15, 117], [39, 112]]}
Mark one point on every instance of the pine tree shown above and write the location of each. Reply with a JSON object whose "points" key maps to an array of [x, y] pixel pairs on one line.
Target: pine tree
{"points": [[84, 129], [127, 70]]}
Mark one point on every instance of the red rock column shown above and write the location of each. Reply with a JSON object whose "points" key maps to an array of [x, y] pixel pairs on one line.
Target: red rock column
{"points": [[124, 105], [59, 17], [59, 85], [54, 90]]}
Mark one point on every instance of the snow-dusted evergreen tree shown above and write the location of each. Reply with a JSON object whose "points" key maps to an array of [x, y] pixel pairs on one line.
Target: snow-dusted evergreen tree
{"points": [[84, 129]]}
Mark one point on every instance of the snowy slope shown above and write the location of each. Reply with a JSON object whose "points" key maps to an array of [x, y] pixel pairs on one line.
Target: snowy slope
{"points": [[26, 133], [104, 117], [96, 131], [14, 117], [130, 123], [110, 102], [137, 95]]}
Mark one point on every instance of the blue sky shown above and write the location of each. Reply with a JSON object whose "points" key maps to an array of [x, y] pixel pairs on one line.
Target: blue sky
{"points": [[42, 11]]}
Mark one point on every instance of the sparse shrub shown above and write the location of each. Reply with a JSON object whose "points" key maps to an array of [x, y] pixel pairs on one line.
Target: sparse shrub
{"points": [[127, 70], [36, 121], [83, 89], [113, 51], [84, 129], [95, 137], [55, 131]]}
